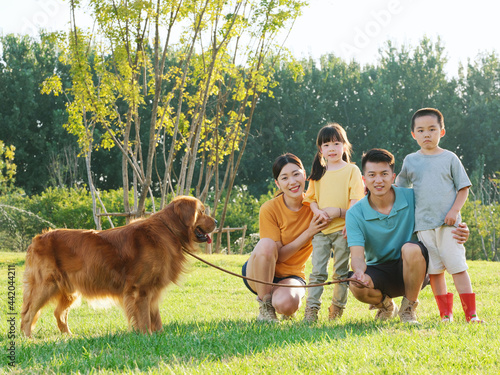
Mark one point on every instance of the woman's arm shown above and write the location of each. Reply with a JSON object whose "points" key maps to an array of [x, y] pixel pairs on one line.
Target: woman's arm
{"points": [[285, 252]]}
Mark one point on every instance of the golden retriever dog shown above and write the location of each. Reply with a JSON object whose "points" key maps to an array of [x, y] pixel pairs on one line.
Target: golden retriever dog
{"points": [[131, 264]]}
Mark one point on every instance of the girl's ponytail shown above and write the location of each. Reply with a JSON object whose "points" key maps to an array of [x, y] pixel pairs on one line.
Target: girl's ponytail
{"points": [[318, 167]]}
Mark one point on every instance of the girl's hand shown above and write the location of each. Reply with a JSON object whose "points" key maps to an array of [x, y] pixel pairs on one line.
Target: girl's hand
{"points": [[317, 224], [344, 232], [321, 213], [333, 212]]}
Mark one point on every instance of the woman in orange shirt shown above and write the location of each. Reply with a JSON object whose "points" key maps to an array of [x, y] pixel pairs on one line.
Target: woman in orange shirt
{"points": [[287, 226]]}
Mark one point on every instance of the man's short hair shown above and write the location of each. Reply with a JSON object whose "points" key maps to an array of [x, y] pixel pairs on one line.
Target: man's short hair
{"points": [[377, 155], [428, 112]]}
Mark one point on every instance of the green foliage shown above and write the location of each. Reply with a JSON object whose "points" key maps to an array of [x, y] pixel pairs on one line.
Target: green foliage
{"points": [[209, 327], [32, 122], [7, 166], [243, 209], [22, 217], [375, 103], [482, 214]]}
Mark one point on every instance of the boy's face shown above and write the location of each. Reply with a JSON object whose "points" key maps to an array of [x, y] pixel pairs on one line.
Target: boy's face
{"points": [[427, 133], [378, 178]]}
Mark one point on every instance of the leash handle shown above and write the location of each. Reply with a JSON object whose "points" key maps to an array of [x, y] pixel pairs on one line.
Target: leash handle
{"points": [[360, 284]]}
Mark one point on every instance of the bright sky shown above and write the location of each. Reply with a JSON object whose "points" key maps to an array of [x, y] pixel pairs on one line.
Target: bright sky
{"points": [[351, 29]]}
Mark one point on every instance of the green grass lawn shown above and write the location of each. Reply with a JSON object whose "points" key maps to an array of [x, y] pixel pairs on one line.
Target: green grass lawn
{"points": [[209, 327]]}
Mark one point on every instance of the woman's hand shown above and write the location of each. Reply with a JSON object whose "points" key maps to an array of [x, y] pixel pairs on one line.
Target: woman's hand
{"points": [[317, 224], [461, 234]]}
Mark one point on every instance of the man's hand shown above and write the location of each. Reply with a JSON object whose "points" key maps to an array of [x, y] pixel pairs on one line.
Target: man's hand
{"points": [[461, 234], [361, 277]]}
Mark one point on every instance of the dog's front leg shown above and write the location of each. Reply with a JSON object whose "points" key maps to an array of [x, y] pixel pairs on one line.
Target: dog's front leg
{"points": [[137, 305]]}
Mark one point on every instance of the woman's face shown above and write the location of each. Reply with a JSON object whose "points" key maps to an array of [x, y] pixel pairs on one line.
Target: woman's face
{"points": [[292, 180]]}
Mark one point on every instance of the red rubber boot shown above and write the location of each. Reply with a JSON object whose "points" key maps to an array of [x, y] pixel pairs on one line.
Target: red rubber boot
{"points": [[445, 305], [469, 306]]}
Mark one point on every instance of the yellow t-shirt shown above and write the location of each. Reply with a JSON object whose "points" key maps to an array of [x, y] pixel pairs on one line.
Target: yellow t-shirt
{"points": [[279, 223], [336, 189]]}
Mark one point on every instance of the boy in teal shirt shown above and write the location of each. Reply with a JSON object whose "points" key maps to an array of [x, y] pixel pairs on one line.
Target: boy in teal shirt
{"points": [[441, 188]]}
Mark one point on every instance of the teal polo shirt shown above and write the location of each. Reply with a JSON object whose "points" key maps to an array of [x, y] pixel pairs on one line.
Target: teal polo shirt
{"points": [[381, 235]]}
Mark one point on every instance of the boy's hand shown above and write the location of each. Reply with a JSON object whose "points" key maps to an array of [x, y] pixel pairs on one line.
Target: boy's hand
{"points": [[451, 217]]}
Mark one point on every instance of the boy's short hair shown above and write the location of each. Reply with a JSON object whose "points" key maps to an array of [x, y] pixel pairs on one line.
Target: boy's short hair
{"points": [[377, 155], [427, 112]]}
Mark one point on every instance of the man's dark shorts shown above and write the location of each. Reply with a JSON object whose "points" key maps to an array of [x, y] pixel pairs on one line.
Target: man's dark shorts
{"points": [[275, 280], [388, 277]]}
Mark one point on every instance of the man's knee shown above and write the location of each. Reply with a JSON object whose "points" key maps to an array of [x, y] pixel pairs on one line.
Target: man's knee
{"points": [[412, 252]]}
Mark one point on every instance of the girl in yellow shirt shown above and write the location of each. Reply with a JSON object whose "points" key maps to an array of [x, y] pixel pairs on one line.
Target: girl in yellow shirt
{"points": [[334, 182]]}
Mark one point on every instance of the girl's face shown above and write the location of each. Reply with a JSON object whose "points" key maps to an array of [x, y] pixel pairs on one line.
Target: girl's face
{"points": [[332, 151], [292, 181]]}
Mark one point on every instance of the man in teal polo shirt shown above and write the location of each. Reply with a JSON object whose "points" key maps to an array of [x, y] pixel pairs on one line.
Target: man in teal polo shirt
{"points": [[385, 255]]}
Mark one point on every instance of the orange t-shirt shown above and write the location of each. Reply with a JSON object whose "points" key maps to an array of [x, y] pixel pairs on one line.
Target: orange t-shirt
{"points": [[279, 223]]}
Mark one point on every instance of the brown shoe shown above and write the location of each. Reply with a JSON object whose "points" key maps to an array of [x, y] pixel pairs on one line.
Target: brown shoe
{"points": [[407, 312], [311, 314], [387, 309], [335, 312], [267, 313]]}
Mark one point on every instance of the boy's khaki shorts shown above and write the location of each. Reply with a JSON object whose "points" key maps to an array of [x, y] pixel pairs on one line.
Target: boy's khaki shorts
{"points": [[445, 253]]}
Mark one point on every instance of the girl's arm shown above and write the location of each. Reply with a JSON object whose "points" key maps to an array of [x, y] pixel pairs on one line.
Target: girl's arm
{"points": [[316, 211], [285, 252], [334, 212], [452, 215]]}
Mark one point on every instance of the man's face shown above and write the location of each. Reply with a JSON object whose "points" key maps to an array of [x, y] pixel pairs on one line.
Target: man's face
{"points": [[378, 178]]}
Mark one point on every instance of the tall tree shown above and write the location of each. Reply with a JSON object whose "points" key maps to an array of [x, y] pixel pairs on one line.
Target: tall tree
{"points": [[198, 67]]}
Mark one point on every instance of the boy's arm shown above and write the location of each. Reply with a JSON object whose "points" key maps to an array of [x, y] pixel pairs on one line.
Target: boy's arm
{"points": [[402, 178], [452, 215]]}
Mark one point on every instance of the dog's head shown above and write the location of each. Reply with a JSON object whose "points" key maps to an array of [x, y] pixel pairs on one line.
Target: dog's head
{"points": [[192, 214]]}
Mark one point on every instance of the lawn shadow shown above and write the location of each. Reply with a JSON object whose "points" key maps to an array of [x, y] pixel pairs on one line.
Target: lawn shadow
{"points": [[181, 343]]}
